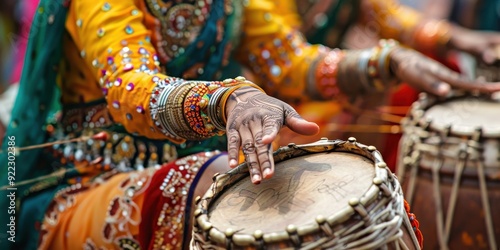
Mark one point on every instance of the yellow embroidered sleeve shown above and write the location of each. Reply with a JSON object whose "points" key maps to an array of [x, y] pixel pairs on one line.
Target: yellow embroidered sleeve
{"points": [[277, 54], [115, 45]]}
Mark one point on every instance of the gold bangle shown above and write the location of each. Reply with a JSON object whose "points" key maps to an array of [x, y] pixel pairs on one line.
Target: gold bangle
{"points": [[174, 108]]}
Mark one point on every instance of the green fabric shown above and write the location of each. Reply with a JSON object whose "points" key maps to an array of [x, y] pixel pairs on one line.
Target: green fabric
{"points": [[488, 17], [35, 206], [205, 47], [320, 34], [37, 94]]}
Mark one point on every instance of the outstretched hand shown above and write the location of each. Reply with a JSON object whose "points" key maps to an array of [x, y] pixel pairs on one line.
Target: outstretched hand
{"points": [[431, 76], [253, 122]]}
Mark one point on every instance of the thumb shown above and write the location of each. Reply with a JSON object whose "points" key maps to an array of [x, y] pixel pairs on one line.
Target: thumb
{"points": [[298, 125], [439, 89], [489, 56]]}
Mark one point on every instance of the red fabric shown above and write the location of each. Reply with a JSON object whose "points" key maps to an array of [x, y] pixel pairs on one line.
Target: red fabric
{"points": [[151, 210], [163, 211], [415, 225]]}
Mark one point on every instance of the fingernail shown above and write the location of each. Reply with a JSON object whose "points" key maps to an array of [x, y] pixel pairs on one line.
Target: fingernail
{"points": [[496, 96], [256, 179], [443, 89], [233, 163], [267, 173], [489, 57]]}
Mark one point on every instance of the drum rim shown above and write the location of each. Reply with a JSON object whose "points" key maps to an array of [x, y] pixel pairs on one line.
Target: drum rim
{"points": [[418, 108], [222, 181]]}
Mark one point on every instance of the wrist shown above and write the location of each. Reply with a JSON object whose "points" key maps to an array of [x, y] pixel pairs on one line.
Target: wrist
{"points": [[367, 71], [226, 99]]}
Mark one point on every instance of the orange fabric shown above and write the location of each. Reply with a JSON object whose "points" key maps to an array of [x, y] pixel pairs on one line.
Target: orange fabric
{"points": [[81, 222]]}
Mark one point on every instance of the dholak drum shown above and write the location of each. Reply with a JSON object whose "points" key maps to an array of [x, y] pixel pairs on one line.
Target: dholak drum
{"points": [[324, 195], [449, 166]]}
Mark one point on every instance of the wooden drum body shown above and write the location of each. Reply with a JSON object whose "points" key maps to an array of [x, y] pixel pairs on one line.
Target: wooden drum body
{"points": [[449, 165], [324, 195]]}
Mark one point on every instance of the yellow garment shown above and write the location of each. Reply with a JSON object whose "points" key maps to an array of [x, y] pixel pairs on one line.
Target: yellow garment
{"points": [[100, 34], [279, 56], [84, 227], [390, 18]]}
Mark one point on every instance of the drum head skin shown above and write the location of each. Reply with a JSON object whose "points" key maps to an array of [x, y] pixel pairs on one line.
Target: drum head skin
{"points": [[465, 115], [301, 189]]}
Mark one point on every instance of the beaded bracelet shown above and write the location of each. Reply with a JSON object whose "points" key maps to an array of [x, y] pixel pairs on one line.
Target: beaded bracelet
{"points": [[192, 110], [326, 74], [195, 106]]}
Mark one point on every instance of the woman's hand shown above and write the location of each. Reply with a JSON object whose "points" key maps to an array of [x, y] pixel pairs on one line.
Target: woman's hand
{"points": [[253, 121], [483, 45], [431, 76]]}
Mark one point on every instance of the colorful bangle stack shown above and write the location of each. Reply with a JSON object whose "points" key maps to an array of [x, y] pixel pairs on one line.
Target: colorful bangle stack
{"points": [[432, 35], [362, 72], [196, 106], [158, 106], [325, 75], [377, 67], [214, 109], [193, 110], [175, 111]]}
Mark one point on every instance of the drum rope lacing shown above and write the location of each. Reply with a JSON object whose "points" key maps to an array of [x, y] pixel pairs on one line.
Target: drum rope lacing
{"points": [[422, 140]]}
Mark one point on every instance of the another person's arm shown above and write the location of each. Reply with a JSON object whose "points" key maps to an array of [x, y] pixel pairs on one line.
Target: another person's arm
{"points": [[290, 68]]}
